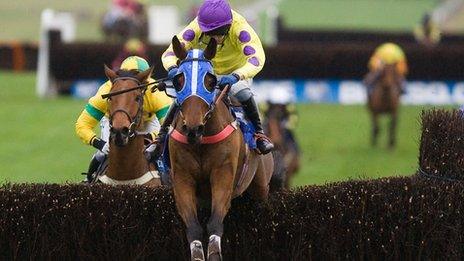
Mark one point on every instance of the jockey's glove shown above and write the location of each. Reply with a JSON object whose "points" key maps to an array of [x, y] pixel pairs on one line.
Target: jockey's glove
{"points": [[229, 79], [101, 145], [172, 72]]}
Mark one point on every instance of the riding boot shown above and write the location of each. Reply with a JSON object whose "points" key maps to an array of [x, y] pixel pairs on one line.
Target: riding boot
{"points": [[251, 111], [93, 166], [164, 129]]}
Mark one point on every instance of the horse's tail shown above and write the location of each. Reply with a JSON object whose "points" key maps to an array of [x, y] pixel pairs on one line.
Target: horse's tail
{"points": [[278, 176]]}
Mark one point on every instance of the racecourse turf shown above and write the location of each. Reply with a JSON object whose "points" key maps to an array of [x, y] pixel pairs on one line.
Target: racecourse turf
{"points": [[38, 142]]}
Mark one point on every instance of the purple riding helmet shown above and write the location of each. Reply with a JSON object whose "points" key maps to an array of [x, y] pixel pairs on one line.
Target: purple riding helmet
{"points": [[214, 14]]}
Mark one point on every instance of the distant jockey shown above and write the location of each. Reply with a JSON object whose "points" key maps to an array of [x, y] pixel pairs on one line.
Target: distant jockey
{"points": [[133, 47], [387, 53], [155, 107], [240, 56]]}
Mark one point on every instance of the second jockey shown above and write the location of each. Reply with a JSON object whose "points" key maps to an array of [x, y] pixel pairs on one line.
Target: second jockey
{"points": [[239, 57], [155, 106]]}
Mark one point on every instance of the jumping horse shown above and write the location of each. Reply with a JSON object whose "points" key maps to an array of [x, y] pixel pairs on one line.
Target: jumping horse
{"points": [[127, 164], [208, 155], [384, 98]]}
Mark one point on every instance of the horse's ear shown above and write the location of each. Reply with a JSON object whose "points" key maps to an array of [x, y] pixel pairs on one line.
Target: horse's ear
{"points": [[110, 73], [210, 50], [143, 76], [178, 48]]}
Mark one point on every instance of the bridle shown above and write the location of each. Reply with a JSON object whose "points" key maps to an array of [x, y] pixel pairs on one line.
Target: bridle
{"points": [[134, 121], [211, 106]]}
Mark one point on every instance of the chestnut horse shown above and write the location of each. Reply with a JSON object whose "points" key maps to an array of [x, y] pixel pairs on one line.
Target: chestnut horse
{"points": [[385, 99], [284, 141], [126, 161], [209, 158]]}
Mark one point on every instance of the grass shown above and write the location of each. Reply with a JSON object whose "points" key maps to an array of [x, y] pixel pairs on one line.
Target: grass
{"points": [[386, 15], [38, 142], [20, 20]]}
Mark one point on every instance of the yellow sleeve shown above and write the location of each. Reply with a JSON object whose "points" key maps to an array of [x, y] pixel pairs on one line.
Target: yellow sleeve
{"points": [[161, 105], [158, 104], [188, 37], [94, 110], [84, 127], [251, 47]]}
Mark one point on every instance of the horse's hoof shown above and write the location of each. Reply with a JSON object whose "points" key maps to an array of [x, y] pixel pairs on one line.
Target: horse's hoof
{"points": [[214, 248], [196, 251]]}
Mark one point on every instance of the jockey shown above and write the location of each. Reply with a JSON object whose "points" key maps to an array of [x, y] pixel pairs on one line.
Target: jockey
{"points": [[155, 106], [132, 47], [240, 56], [387, 53]]}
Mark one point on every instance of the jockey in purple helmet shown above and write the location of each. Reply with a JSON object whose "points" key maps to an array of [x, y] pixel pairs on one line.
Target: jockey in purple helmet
{"points": [[240, 56]]}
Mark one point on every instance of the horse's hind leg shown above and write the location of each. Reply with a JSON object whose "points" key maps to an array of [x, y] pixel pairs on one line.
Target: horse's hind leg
{"points": [[259, 187], [186, 202], [393, 122], [375, 129], [222, 182]]}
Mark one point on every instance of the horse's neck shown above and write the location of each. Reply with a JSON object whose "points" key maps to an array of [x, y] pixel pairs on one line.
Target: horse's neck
{"points": [[127, 162], [220, 118]]}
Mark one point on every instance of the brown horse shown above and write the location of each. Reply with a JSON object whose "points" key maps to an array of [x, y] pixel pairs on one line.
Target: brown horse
{"points": [[127, 163], [384, 98], [216, 171], [284, 142]]}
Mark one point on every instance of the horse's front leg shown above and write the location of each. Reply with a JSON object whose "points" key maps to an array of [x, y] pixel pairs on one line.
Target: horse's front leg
{"points": [[184, 187], [222, 183], [375, 129], [393, 122]]}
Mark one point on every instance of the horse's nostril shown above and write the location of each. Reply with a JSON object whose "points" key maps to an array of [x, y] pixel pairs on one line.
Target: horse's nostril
{"points": [[184, 128], [125, 131]]}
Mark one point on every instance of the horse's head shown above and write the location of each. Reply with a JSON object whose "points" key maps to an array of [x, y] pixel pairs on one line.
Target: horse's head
{"points": [[276, 115], [195, 86], [125, 108]]}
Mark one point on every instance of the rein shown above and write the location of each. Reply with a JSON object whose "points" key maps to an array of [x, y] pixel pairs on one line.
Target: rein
{"points": [[217, 99], [139, 86]]}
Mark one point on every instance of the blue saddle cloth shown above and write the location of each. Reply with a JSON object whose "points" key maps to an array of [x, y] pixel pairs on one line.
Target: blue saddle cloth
{"points": [[248, 131], [246, 127]]}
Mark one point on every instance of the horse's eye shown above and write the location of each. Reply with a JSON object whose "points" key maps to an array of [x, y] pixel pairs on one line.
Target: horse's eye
{"points": [[178, 82], [210, 81], [138, 98]]}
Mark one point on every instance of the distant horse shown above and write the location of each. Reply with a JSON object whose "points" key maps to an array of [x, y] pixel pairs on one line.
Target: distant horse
{"points": [[284, 141], [127, 163], [209, 159], [384, 98]]}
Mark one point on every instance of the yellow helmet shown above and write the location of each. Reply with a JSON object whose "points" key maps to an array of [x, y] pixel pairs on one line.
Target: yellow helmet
{"points": [[390, 53], [134, 63]]}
